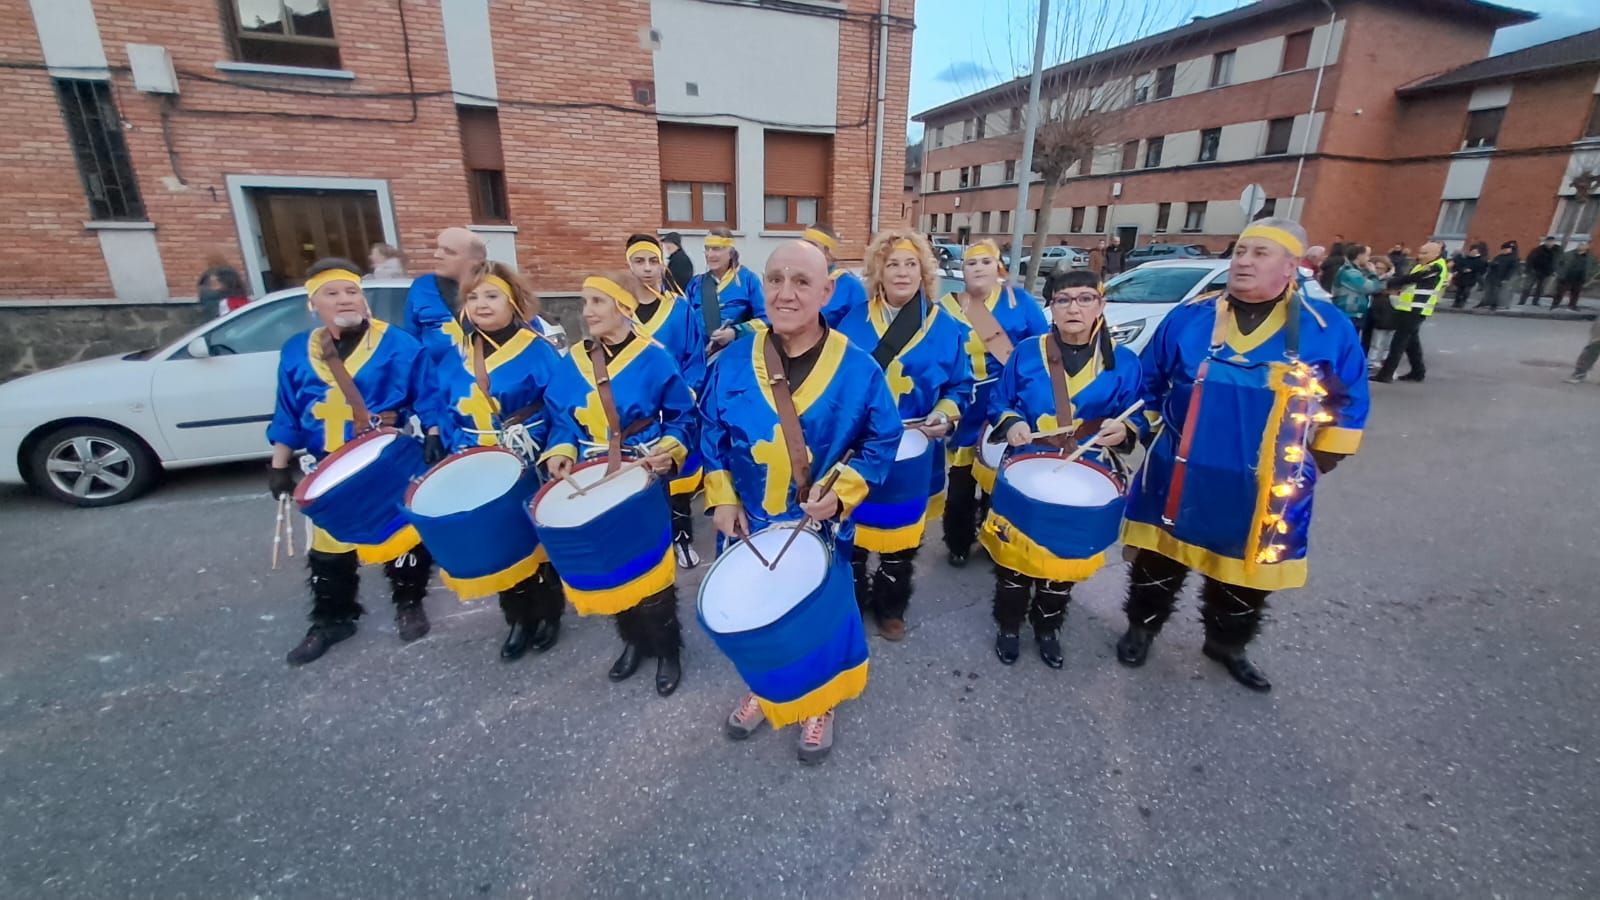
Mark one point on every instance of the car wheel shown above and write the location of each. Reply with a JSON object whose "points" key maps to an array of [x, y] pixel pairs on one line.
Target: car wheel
{"points": [[91, 465]]}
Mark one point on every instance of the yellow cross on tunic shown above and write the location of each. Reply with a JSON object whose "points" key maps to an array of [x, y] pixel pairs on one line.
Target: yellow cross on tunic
{"points": [[899, 383], [592, 416], [333, 412], [481, 410], [775, 458]]}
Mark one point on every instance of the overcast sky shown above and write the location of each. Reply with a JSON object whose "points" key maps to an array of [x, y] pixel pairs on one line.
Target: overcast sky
{"points": [[962, 46]]}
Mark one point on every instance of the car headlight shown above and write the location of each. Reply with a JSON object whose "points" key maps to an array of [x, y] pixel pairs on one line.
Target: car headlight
{"points": [[1127, 331]]}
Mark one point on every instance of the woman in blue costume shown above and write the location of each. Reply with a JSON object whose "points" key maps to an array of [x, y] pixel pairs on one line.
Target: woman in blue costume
{"points": [[518, 365], [1001, 316], [848, 291], [667, 318], [1098, 381], [727, 297], [842, 404], [1259, 391], [656, 410], [313, 415], [922, 351]]}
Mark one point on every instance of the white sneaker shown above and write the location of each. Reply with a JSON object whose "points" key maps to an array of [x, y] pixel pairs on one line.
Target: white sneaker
{"points": [[1574, 379], [683, 548]]}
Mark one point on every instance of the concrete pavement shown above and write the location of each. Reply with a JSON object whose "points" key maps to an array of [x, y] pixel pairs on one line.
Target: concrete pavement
{"points": [[1432, 732]]}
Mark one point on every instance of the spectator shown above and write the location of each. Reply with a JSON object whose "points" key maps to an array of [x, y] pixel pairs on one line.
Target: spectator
{"points": [[1541, 264], [1501, 270], [1398, 259], [1587, 356], [1328, 272], [680, 268], [1470, 267], [1377, 333], [1354, 284], [1575, 271], [1116, 259], [1097, 260], [221, 285], [387, 262]]}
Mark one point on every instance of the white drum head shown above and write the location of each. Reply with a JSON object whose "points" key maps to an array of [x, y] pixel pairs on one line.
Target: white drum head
{"points": [[741, 594], [562, 507], [991, 453], [1047, 480], [913, 443], [465, 482], [332, 472]]}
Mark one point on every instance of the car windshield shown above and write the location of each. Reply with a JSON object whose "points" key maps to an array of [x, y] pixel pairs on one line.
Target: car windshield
{"points": [[1161, 284]]}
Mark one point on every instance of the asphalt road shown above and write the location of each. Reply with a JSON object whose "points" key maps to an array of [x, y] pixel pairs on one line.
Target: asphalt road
{"points": [[1432, 732]]}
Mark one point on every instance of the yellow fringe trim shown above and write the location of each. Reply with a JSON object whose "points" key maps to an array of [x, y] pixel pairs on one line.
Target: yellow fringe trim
{"points": [[1018, 552], [960, 456], [399, 544], [983, 475], [687, 485], [935, 507], [614, 600], [846, 685], [504, 580], [889, 540], [1290, 573]]}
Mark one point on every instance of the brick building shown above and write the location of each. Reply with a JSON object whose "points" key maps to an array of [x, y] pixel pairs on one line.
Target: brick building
{"points": [[144, 136], [1368, 121]]}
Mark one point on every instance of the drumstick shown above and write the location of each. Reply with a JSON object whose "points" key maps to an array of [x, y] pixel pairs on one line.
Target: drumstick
{"points": [[587, 488], [826, 487], [277, 533], [744, 535], [288, 524], [1091, 443]]}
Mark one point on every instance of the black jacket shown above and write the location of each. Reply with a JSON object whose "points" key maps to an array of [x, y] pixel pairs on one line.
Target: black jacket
{"points": [[681, 269], [1504, 266], [1470, 268], [1542, 260], [1426, 278]]}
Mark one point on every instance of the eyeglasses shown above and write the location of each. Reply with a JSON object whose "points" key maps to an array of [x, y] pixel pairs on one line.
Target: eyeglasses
{"points": [[1075, 299]]}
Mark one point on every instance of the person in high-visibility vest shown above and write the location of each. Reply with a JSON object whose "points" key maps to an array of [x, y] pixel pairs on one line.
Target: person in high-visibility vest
{"points": [[1420, 290]]}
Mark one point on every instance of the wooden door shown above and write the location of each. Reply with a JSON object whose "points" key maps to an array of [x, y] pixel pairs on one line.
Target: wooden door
{"points": [[300, 227]]}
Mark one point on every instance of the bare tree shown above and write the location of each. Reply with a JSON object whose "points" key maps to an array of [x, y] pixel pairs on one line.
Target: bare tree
{"points": [[1103, 51]]}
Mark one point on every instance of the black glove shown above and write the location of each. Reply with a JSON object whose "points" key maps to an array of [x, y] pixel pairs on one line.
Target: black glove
{"points": [[280, 481], [433, 449]]}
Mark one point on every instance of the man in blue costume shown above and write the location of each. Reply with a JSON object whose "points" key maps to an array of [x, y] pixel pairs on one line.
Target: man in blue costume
{"points": [[433, 304], [842, 403], [1258, 390], [313, 414]]}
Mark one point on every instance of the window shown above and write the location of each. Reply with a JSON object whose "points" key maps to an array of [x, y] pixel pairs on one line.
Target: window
{"points": [[1483, 128], [95, 131], [966, 129], [1005, 221], [1130, 155], [1296, 50], [1576, 217], [1163, 217], [983, 222], [949, 220], [1152, 152], [1210, 143], [697, 174], [938, 136], [981, 126], [1593, 128], [937, 177], [262, 328], [795, 177], [966, 176], [1454, 216], [485, 164], [1222, 68], [1165, 77], [1278, 133], [1100, 218], [1194, 216], [977, 175], [281, 32], [1011, 170], [1016, 118], [1141, 94], [1077, 219], [1269, 208], [1033, 220]]}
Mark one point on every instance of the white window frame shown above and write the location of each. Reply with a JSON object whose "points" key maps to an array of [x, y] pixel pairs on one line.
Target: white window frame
{"points": [[248, 225], [1455, 217]]}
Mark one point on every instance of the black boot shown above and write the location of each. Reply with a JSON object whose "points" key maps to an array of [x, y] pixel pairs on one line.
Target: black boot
{"points": [[1013, 591], [318, 639], [1050, 648], [863, 581], [1007, 646], [544, 635], [533, 610], [1153, 585], [1048, 614], [626, 664], [960, 514], [669, 671], [516, 642], [891, 592], [1238, 665], [1232, 617], [408, 582], [334, 582], [1133, 648]]}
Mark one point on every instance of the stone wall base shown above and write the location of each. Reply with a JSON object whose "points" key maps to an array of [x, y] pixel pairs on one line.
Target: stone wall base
{"points": [[42, 337]]}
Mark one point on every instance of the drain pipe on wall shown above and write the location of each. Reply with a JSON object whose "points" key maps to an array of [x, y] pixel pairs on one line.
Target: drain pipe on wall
{"points": [[1311, 118], [883, 84]]}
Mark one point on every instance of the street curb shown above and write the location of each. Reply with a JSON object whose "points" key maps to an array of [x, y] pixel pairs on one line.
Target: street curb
{"points": [[1566, 315]]}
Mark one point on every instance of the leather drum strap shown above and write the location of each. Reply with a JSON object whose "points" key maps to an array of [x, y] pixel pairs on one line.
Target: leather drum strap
{"points": [[608, 404], [710, 303], [480, 371], [988, 328], [346, 384], [1058, 389], [794, 440], [1191, 419]]}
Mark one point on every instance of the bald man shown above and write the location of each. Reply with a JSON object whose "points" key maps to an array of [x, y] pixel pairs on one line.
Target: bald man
{"points": [[842, 405], [432, 303], [1419, 290]]}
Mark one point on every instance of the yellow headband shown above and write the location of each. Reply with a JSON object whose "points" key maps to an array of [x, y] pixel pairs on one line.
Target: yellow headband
{"points": [[496, 281], [1276, 235], [625, 298], [718, 242], [906, 245], [316, 282], [821, 239], [643, 247]]}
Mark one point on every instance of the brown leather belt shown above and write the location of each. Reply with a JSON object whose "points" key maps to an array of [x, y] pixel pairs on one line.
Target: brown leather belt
{"points": [[794, 439]]}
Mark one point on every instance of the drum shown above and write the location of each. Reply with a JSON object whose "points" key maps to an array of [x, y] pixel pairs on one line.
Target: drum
{"points": [[611, 546], [937, 483], [892, 516], [357, 493], [1051, 519], [470, 511], [987, 461], [794, 634]]}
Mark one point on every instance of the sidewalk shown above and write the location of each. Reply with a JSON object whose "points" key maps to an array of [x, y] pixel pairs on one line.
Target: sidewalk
{"points": [[1588, 309]]}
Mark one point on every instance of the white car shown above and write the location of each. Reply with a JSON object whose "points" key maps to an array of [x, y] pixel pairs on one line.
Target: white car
{"points": [[1137, 300], [1071, 257], [98, 432]]}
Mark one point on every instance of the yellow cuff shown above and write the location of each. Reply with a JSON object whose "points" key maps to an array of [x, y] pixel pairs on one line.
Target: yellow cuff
{"points": [[566, 450], [851, 488], [719, 489], [949, 408], [1333, 439], [673, 448]]}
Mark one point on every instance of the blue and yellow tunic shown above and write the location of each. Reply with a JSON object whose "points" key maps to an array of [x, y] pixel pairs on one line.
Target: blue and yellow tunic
{"points": [[1245, 510], [1021, 317], [739, 293], [653, 401], [1024, 391], [519, 371], [931, 373], [429, 318], [848, 293], [678, 330]]}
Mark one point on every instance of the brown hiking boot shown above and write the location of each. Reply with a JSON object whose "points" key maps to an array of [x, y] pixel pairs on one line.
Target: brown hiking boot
{"points": [[816, 738], [746, 719]]}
